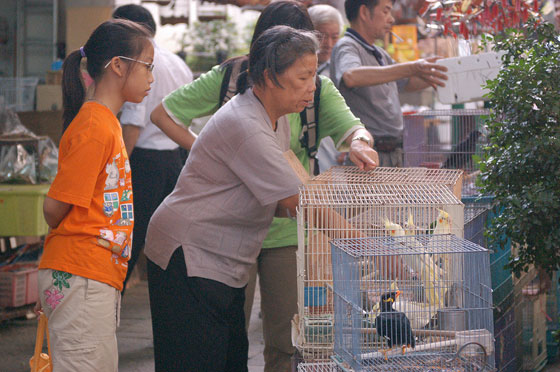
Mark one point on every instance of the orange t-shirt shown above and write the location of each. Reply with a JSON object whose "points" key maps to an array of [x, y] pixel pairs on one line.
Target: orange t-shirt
{"points": [[94, 238]]}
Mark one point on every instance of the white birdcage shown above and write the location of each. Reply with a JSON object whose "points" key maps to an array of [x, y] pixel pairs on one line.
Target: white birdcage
{"points": [[448, 139], [388, 175], [451, 178], [419, 303], [369, 205], [318, 367]]}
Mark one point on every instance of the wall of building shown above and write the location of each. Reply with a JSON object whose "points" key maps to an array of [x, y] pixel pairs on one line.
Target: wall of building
{"points": [[7, 49]]}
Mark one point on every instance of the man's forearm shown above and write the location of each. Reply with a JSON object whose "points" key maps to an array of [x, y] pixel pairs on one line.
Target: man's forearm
{"points": [[375, 75], [178, 133], [425, 70]]}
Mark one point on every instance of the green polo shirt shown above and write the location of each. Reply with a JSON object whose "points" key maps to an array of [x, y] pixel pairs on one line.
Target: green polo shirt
{"points": [[202, 97]]}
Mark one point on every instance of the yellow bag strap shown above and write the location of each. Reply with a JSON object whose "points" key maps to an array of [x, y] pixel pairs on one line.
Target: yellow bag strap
{"points": [[42, 329], [48, 337]]}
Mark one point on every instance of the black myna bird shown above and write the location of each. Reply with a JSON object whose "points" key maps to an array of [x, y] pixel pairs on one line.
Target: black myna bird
{"points": [[393, 325], [461, 156]]}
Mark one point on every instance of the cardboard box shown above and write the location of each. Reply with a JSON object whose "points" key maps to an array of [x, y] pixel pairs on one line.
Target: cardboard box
{"points": [[54, 77], [43, 123], [81, 21], [49, 97]]}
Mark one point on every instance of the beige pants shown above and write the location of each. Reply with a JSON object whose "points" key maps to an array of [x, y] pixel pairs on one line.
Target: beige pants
{"points": [[82, 317], [277, 280]]}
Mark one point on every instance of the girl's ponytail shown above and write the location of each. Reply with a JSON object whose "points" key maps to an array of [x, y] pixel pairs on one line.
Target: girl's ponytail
{"points": [[73, 92]]}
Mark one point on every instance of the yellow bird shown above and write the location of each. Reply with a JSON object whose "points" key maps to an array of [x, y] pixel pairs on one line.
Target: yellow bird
{"points": [[411, 229], [443, 223], [420, 263], [443, 226]]}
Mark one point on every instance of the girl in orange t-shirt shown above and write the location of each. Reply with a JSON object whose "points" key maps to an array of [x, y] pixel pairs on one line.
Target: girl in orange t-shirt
{"points": [[89, 204]]}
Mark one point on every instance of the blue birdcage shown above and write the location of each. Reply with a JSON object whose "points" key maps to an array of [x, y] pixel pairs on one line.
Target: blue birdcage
{"points": [[419, 302]]}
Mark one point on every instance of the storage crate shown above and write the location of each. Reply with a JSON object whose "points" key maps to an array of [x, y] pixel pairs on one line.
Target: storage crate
{"points": [[19, 93], [21, 210], [551, 346], [18, 285], [553, 317], [531, 322], [479, 215], [504, 330]]}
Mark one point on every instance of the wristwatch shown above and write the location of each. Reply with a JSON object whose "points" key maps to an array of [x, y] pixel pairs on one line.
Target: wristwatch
{"points": [[362, 137]]}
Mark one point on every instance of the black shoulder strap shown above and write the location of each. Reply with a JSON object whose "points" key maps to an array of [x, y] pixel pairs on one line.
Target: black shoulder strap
{"points": [[310, 129], [225, 84], [229, 82]]}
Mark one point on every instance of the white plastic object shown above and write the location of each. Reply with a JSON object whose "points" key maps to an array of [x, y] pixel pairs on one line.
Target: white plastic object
{"points": [[467, 76]]}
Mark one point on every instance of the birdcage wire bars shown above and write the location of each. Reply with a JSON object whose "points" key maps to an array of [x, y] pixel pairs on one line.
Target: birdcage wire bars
{"points": [[449, 139], [371, 209], [318, 367], [389, 176], [431, 293]]}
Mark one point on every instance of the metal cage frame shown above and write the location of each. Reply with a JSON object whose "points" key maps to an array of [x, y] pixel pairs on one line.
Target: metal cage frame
{"points": [[455, 333], [362, 206]]}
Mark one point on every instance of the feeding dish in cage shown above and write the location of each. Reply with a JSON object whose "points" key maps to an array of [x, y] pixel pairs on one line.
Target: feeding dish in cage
{"points": [[467, 77]]}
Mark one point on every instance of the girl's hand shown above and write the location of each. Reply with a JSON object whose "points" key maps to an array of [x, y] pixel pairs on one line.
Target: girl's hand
{"points": [[38, 309]]}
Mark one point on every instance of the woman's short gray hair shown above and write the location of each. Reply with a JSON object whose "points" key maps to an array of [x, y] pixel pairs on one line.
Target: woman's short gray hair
{"points": [[322, 14], [276, 50]]}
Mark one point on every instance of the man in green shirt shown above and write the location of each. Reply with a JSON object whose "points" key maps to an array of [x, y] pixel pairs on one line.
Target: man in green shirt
{"points": [[276, 263]]}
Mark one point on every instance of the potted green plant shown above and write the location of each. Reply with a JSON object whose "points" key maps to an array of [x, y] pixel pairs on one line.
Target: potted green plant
{"points": [[210, 43], [521, 165]]}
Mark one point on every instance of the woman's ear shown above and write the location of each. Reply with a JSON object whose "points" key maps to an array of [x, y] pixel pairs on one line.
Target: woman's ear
{"points": [[268, 82], [117, 66]]}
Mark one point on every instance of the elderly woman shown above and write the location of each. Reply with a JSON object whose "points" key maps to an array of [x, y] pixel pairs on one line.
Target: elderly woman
{"points": [[276, 264], [328, 22], [206, 235]]}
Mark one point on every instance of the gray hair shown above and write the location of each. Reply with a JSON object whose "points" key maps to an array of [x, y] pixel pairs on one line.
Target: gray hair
{"points": [[322, 14], [276, 50]]}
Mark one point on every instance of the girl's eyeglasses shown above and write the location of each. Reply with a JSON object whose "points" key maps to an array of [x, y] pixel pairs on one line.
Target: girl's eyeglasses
{"points": [[149, 65]]}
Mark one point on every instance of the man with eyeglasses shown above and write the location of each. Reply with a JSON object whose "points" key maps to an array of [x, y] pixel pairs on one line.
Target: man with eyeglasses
{"points": [[155, 159], [328, 21]]}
